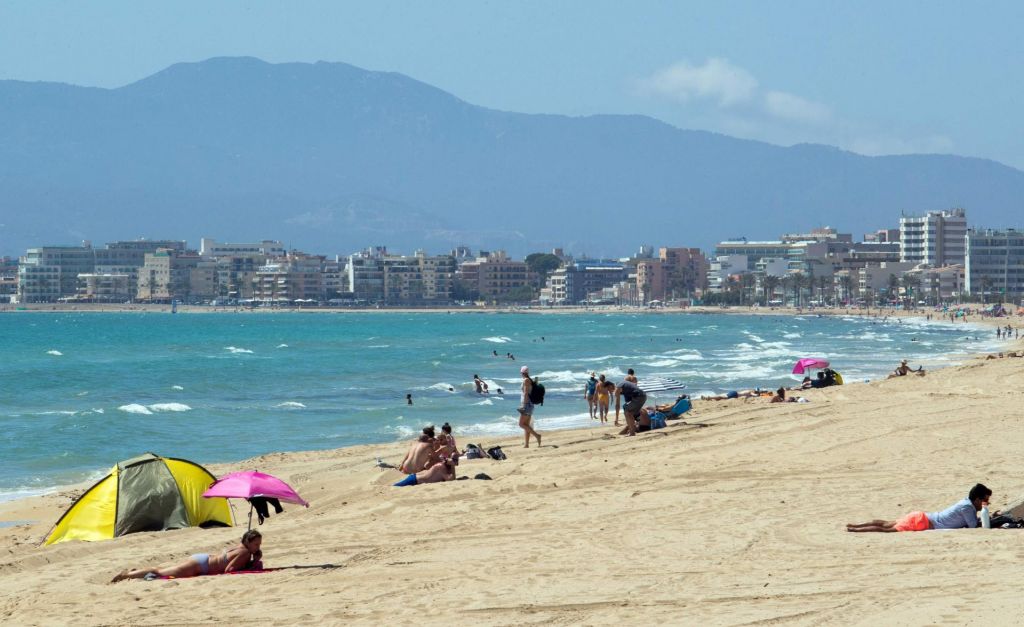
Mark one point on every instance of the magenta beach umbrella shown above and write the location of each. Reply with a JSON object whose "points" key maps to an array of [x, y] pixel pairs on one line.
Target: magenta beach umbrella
{"points": [[809, 363], [247, 484]]}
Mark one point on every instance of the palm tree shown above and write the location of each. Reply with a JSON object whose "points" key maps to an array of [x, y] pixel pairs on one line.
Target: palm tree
{"points": [[770, 283], [846, 283], [986, 285], [911, 286], [823, 282], [747, 282], [893, 289], [798, 281]]}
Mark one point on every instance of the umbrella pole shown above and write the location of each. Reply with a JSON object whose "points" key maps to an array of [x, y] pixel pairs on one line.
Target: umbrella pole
{"points": [[250, 517]]}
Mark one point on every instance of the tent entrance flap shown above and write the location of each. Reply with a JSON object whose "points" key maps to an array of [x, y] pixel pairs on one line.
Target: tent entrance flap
{"points": [[148, 500]]}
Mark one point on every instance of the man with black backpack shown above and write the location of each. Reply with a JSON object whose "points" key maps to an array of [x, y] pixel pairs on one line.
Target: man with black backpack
{"points": [[526, 407]]}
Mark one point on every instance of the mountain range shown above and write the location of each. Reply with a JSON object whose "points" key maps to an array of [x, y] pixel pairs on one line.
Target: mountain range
{"points": [[331, 158]]}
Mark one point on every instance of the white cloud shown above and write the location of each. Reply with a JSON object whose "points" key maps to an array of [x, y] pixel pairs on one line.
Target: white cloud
{"points": [[796, 109], [722, 97], [716, 80]]}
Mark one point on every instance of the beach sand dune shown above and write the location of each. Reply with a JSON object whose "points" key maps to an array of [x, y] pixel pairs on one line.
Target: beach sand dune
{"points": [[740, 522]]}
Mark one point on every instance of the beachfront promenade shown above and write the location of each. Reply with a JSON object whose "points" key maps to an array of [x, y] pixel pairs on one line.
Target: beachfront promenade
{"points": [[737, 522]]}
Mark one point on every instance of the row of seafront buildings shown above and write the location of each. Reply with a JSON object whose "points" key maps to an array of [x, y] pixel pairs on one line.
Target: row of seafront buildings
{"points": [[931, 258]]}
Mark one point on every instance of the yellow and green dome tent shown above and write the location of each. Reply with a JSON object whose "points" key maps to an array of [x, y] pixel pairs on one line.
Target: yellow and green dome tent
{"points": [[145, 493]]}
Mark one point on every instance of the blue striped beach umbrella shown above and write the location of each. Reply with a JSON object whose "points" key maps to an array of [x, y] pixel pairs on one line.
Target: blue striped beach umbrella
{"points": [[660, 384]]}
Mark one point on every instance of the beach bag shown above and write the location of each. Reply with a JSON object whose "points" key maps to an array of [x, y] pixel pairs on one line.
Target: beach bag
{"points": [[658, 421], [537, 393], [474, 452], [495, 452]]}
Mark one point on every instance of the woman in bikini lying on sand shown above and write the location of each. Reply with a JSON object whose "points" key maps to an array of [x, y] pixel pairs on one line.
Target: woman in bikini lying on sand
{"points": [[241, 557]]}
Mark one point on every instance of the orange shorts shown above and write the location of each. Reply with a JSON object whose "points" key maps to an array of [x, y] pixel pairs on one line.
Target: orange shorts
{"points": [[914, 521]]}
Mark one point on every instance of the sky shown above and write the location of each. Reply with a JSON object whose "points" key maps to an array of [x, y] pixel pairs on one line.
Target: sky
{"points": [[871, 77]]}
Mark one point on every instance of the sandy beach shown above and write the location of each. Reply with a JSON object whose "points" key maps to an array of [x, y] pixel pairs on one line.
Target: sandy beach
{"points": [[734, 518]]}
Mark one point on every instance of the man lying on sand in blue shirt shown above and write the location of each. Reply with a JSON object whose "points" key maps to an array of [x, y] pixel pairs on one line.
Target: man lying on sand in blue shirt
{"points": [[960, 515]]}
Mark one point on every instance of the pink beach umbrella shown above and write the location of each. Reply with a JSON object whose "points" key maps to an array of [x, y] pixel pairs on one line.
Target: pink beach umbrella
{"points": [[809, 363], [247, 484]]}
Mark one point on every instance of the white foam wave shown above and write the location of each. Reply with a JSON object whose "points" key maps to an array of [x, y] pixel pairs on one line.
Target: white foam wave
{"points": [[169, 407], [135, 408], [97, 410], [497, 339], [177, 387], [379, 346], [401, 432], [282, 346], [236, 350], [55, 353], [291, 404], [444, 387], [562, 376], [791, 335], [486, 401]]}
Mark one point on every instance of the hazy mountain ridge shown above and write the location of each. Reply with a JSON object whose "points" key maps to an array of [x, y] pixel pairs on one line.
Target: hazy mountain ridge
{"points": [[330, 158]]}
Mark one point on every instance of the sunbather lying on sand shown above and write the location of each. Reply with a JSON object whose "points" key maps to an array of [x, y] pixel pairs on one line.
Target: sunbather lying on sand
{"points": [[732, 394], [780, 397], [245, 556], [960, 515], [441, 471]]}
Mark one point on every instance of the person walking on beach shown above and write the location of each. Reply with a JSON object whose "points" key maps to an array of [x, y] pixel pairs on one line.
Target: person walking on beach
{"points": [[961, 515], [603, 396], [246, 556], [590, 393], [635, 399], [526, 408]]}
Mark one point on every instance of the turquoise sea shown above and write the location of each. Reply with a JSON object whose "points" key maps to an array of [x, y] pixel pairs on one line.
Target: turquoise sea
{"points": [[80, 391]]}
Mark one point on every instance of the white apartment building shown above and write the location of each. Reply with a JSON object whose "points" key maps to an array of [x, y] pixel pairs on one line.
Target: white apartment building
{"points": [[935, 239]]}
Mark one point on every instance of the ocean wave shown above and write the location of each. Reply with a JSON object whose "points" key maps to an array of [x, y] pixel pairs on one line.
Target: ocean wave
{"points": [[58, 413], [169, 407], [401, 432], [291, 405], [379, 346], [497, 339], [236, 350], [148, 410], [135, 408], [561, 376], [444, 387], [177, 387], [486, 401], [791, 335], [282, 346], [55, 353]]}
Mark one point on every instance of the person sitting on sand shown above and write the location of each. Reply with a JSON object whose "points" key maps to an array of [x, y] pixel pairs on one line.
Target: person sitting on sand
{"points": [[443, 470], [903, 370], [445, 442], [780, 397], [643, 422], [960, 515], [421, 454], [245, 556]]}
